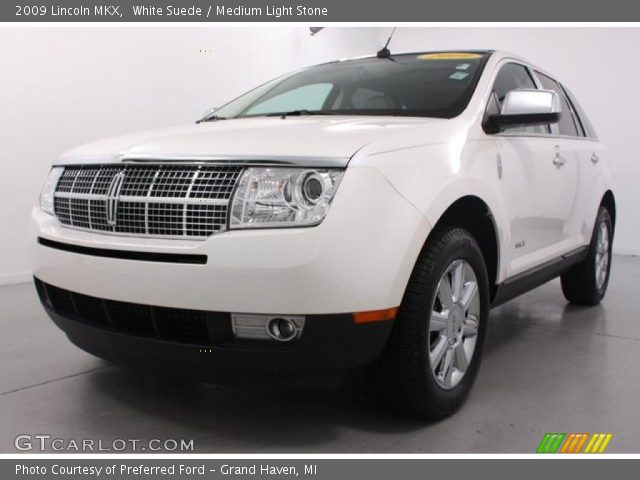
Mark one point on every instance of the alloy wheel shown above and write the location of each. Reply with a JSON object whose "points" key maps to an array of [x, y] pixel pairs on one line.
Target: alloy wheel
{"points": [[453, 329]]}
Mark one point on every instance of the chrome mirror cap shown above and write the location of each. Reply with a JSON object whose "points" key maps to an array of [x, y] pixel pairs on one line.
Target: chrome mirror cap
{"points": [[525, 107], [531, 102]]}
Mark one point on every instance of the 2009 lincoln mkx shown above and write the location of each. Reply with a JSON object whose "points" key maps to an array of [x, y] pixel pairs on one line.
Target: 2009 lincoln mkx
{"points": [[361, 213]]}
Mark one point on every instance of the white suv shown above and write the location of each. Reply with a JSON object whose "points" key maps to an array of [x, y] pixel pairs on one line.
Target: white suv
{"points": [[366, 212]]}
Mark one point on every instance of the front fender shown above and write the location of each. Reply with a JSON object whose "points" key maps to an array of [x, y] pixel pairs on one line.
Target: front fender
{"points": [[433, 177]]}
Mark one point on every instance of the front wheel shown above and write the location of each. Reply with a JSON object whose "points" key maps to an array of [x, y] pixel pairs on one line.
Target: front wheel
{"points": [[434, 352]]}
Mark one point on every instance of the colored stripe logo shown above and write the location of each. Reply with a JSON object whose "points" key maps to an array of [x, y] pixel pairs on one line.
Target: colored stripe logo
{"points": [[555, 442]]}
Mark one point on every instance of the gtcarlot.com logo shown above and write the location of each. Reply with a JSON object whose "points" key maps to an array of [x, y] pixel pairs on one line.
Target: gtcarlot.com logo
{"points": [[555, 442], [47, 442]]}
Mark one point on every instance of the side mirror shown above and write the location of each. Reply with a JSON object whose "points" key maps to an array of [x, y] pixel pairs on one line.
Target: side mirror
{"points": [[525, 107]]}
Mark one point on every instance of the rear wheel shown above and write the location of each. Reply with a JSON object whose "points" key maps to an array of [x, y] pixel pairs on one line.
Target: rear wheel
{"points": [[434, 352], [586, 283]]}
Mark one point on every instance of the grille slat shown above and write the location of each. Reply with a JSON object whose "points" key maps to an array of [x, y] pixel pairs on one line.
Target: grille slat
{"points": [[155, 200]]}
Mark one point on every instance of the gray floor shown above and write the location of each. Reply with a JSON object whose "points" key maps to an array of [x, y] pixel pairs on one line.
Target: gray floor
{"points": [[548, 367]]}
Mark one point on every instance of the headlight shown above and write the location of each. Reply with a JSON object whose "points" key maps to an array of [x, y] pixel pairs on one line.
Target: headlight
{"points": [[283, 197], [46, 194]]}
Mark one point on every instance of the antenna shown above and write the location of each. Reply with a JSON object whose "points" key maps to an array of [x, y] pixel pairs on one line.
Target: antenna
{"points": [[384, 52]]}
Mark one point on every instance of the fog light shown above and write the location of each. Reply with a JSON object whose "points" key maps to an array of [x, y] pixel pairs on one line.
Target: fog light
{"points": [[267, 327]]}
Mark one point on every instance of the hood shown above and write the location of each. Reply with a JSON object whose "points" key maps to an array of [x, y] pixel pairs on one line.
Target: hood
{"points": [[329, 138]]}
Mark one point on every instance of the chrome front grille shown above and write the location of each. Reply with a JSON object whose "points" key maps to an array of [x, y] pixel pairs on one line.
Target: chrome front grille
{"points": [[154, 200]]}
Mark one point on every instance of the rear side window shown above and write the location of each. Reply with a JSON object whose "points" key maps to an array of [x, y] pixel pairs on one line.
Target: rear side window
{"points": [[567, 124], [513, 76], [587, 127]]}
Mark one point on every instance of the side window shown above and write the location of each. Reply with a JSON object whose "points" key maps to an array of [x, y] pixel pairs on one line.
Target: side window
{"points": [[587, 127], [567, 124], [511, 77], [308, 97]]}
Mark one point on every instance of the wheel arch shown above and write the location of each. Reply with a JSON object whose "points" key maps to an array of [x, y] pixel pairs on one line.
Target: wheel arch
{"points": [[609, 202], [474, 215]]}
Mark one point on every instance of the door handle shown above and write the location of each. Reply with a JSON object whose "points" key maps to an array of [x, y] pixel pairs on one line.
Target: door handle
{"points": [[558, 160], [595, 158]]}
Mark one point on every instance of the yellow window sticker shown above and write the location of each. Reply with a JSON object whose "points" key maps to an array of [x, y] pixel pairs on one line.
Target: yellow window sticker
{"points": [[449, 56]]}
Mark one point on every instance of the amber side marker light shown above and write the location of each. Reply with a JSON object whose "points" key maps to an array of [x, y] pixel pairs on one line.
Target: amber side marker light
{"points": [[375, 315]]}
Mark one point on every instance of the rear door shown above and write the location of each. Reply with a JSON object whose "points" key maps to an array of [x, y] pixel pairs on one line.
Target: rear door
{"points": [[573, 140]]}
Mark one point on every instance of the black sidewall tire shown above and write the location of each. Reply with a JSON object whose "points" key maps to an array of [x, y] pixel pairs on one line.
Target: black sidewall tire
{"points": [[410, 339]]}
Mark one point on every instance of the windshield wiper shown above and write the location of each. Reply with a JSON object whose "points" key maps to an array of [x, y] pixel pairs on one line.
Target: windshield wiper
{"points": [[296, 113], [212, 118]]}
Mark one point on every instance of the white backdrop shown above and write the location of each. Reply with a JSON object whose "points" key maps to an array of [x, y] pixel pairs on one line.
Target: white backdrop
{"points": [[64, 86], [60, 87]]}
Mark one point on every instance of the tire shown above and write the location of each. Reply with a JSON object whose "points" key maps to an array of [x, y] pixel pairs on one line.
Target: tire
{"points": [[586, 282], [405, 373]]}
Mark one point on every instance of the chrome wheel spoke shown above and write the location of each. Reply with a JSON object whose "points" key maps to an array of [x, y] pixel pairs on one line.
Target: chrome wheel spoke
{"points": [[437, 353], [457, 281], [462, 362], [447, 368], [469, 293], [438, 321], [470, 327], [445, 295]]}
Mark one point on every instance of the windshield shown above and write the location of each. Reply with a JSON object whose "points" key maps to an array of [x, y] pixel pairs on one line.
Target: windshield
{"points": [[423, 85]]}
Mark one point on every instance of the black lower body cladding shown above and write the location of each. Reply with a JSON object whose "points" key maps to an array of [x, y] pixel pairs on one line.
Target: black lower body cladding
{"points": [[201, 344]]}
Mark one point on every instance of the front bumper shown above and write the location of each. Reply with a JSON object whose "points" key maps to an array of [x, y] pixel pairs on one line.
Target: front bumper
{"points": [[359, 259], [201, 344]]}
